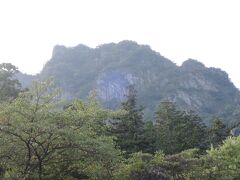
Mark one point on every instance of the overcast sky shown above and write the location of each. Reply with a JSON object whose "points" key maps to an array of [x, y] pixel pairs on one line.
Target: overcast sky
{"points": [[206, 30]]}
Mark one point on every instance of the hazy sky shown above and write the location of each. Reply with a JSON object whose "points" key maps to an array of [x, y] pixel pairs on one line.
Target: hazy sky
{"points": [[206, 30]]}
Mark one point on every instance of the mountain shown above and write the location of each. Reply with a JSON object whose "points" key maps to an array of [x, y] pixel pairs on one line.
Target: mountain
{"points": [[110, 68], [25, 79]]}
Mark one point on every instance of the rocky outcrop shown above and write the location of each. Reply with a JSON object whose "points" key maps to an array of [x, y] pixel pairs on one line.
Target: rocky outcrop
{"points": [[114, 85]]}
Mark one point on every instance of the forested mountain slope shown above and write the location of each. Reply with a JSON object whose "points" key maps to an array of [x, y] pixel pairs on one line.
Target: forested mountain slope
{"points": [[111, 68]]}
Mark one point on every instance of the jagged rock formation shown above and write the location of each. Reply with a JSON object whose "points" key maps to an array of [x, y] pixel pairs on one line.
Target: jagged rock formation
{"points": [[111, 68]]}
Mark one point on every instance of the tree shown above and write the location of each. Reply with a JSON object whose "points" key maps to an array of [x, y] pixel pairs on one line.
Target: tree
{"points": [[149, 141], [218, 132], [178, 130], [129, 128], [142, 166], [9, 86], [225, 160], [165, 117], [39, 141]]}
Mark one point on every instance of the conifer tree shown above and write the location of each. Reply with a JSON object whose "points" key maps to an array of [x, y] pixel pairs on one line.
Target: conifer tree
{"points": [[218, 132], [178, 130], [129, 129]]}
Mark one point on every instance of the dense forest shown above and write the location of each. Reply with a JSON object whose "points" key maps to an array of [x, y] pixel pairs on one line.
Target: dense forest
{"points": [[44, 137]]}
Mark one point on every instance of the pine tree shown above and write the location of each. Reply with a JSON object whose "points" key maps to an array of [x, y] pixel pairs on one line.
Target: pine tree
{"points": [[178, 130], [129, 129], [149, 144], [218, 132], [166, 119]]}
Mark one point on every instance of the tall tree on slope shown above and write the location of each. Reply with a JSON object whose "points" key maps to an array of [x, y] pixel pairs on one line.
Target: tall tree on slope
{"points": [[129, 129]]}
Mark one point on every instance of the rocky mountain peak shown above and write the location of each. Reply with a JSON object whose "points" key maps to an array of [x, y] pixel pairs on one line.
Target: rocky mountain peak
{"points": [[111, 68], [58, 51], [192, 64]]}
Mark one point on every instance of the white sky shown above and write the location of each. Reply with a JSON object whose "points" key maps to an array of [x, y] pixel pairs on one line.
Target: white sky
{"points": [[206, 30]]}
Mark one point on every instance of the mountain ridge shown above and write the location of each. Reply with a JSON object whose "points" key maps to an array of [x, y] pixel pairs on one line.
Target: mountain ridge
{"points": [[111, 68]]}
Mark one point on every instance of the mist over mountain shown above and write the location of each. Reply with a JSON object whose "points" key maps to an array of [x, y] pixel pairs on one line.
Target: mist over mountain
{"points": [[110, 68]]}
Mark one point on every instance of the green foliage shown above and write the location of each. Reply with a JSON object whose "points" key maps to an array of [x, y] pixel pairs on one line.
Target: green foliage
{"points": [[129, 129], [149, 138], [159, 166], [40, 141], [9, 86], [226, 159], [219, 163], [218, 132], [142, 166], [178, 130]]}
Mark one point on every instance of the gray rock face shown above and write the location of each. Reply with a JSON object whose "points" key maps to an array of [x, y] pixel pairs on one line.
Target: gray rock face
{"points": [[113, 85]]}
